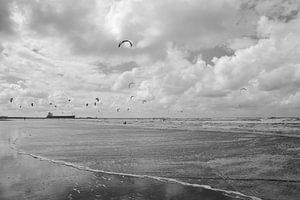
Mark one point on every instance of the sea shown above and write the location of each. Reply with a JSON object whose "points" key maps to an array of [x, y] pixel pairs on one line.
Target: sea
{"points": [[271, 125]]}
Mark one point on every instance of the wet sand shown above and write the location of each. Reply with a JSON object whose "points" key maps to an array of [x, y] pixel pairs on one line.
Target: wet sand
{"points": [[261, 166], [23, 177], [31, 177]]}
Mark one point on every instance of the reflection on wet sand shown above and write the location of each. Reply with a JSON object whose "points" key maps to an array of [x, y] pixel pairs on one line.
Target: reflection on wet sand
{"points": [[24, 177]]}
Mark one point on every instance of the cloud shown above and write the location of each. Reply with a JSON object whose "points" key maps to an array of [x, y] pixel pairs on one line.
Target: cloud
{"points": [[123, 80], [242, 43], [196, 24], [27, 75], [270, 65], [6, 23], [273, 9], [187, 55], [107, 68], [96, 27]]}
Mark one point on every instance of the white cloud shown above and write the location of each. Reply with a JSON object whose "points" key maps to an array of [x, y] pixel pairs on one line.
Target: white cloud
{"points": [[188, 55]]}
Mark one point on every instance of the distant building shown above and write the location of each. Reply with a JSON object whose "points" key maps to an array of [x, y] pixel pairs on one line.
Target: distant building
{"points": [[3, 117], [51, 116]]}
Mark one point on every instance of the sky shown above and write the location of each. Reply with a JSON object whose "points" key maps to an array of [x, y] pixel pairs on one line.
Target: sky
{"points": [[190, 58]]}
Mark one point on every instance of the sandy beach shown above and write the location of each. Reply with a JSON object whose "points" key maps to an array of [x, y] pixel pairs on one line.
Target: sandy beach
{"points": [[52, 159]]}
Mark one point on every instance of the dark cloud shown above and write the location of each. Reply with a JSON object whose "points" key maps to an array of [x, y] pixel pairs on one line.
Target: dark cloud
{"points": [[150, 26], [6, 23], [11, 79], [282, 10], [208, 54], [214, 93], [72, 21], [67, 17], [205, 54], [122, 67], [189, 23], [1, 48]]}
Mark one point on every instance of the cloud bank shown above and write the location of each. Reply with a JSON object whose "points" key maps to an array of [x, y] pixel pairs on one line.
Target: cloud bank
{"points": [[190, 58]]}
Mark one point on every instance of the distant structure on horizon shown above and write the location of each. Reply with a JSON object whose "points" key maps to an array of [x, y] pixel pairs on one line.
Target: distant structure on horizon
{"points": [[3, 118], [51, 116]]}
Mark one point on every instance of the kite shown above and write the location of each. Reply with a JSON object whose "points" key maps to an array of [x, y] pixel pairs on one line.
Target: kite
{"points": [[131, 84], [125, 41]]}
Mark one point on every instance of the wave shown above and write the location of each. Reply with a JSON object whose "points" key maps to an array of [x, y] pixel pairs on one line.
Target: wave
{"points": [[163, 179], [283, 127]]}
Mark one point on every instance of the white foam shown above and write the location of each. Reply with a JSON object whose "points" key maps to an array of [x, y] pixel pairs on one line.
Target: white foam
{"points": [[163, 179]]}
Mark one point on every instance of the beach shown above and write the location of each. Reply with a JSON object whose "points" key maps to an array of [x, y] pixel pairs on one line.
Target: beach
{"points": [[104, 159]]}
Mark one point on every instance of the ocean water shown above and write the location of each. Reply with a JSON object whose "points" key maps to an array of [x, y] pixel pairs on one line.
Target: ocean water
{"points": [[273, 125], [253, 156]]}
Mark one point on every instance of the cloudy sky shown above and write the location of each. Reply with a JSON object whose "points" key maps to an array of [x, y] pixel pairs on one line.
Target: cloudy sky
{"points": [[190, 58]]}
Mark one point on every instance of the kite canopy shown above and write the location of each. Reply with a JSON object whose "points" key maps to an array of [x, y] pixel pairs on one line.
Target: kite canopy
{"points": [[97, 99], [125, 41], [245, 89], [131, 84]]}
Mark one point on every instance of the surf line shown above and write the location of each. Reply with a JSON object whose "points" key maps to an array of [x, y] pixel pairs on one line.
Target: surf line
{"points": [[242, 179], [162, 179]]}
